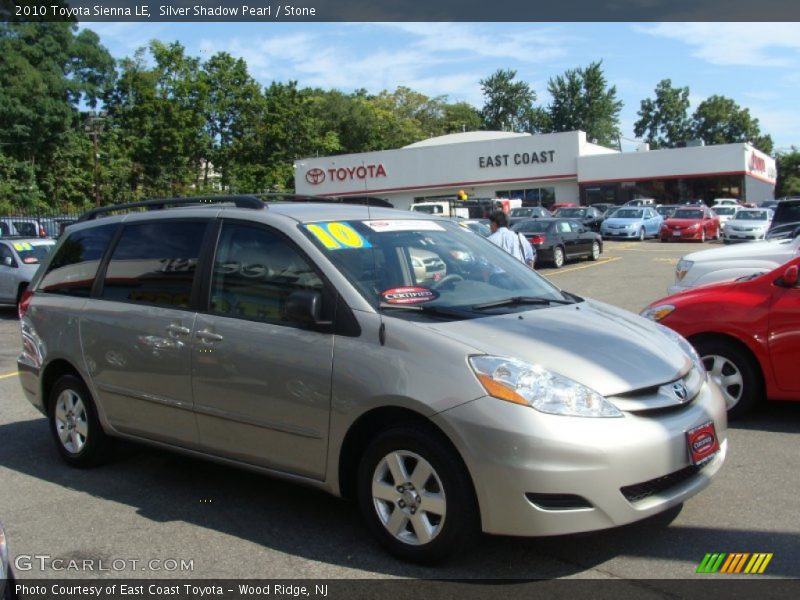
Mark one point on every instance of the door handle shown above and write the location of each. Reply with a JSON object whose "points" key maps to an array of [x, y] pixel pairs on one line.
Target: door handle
{"points": [[209, 336], [174, 329]]}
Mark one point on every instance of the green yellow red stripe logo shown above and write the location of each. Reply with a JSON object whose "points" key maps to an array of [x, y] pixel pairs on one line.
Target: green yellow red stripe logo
{"points": [[735, 562]]}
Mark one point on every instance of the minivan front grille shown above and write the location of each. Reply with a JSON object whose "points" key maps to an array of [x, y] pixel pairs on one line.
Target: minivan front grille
{"points": [[640, 491]]}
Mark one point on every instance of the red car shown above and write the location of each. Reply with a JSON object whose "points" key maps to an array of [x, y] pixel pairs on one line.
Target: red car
{"points": [[555, 207], [747, 333], [691, 223]]}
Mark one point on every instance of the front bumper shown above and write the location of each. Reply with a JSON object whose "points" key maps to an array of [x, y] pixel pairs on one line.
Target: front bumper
{"points": [[683, 235], [744, 236], [515, 453], [620, 233]]}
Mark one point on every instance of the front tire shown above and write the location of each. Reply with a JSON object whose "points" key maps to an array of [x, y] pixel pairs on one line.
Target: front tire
{"points": [[595, 254], [415, 495], [642, 234], [76, 430], [702, 236], [736, 372]]}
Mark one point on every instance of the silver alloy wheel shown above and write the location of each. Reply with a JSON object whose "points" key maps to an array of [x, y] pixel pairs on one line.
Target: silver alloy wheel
{"points": [[641, 234], [409, 497], [72, 422], [595, 250], [558, 257], [727, 376], [702, 235]]}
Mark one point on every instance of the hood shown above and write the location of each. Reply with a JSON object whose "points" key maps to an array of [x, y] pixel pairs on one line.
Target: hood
{"points": [[769, 250], [621, 221], [603, 347], [682, 222]]}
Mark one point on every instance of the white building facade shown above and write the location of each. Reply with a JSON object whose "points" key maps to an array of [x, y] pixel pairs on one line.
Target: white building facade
{"points": [[540, 169]]}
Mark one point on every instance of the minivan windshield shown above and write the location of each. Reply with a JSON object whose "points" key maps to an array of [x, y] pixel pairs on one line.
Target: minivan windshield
{"points": [[430, 266]]}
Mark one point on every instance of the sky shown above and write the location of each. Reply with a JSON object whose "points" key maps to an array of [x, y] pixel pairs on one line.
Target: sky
{"points": [[756, 64]]}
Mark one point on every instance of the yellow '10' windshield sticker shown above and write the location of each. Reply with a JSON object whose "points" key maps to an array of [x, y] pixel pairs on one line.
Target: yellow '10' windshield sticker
{"points": [[19, 247], [337, 235]]}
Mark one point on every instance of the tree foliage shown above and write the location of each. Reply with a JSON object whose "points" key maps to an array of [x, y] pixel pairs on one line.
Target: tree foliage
{"points": [[664, 120], [788, 164], [719, 120], [582, 99], [508, 103]]}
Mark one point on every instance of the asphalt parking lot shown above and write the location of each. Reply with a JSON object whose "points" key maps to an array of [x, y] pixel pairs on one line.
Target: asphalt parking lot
{"points": [[151, 505]]}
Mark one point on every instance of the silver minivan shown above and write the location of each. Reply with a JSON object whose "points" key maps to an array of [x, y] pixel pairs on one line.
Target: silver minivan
{"points": [[301, 340]]}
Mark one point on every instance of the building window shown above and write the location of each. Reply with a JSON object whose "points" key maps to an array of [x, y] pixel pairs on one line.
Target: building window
{"points": [[545, 196]]}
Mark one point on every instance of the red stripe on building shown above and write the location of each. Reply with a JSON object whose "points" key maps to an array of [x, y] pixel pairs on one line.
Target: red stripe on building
{"points": [[455, 184]]}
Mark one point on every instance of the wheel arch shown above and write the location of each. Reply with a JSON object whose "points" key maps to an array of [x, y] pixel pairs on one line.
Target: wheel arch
{"points": [[54, 371], [729, 339], [370, 424]]}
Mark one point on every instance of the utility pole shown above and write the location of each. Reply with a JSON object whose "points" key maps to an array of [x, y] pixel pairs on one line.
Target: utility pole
{"points": [[94, 126]]}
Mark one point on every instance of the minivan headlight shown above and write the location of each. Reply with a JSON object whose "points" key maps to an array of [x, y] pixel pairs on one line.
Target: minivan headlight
{"points": [[533, 385], [687, 348]]}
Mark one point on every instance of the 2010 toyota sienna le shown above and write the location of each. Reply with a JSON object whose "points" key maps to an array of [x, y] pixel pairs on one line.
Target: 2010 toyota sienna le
{"points": [[300, 340]]}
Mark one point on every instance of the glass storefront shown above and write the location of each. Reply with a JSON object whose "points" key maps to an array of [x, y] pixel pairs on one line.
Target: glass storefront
{"points": [[544, 196], [665, 191]]}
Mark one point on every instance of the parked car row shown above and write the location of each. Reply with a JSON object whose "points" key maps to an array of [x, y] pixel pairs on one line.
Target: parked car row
{"points": [[48, 227], [20, 257]]}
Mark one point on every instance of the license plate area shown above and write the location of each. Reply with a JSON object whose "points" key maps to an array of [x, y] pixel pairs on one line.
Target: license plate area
{"points": [[702, 442], [676, 233]]}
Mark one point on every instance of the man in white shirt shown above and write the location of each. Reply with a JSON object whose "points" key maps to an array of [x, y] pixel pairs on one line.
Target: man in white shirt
{"points": [[514, 243]]}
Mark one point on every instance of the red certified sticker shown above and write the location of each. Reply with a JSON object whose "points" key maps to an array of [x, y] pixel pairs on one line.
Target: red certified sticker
{"points": [[409, 295], [703, 442]]}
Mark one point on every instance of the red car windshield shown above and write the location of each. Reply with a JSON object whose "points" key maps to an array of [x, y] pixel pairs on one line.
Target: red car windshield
{"points": [[688, 214]]}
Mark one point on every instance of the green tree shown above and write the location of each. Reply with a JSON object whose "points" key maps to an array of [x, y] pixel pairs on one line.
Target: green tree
{"points": [[719, 120], [788, 165], [582, 99], [160, 112], [233, 111], [45, 72], [460, 116], [663, 121], [508, 103]]}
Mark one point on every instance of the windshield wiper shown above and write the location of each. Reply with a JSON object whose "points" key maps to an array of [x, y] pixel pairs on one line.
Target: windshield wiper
{"points": [[439, 311], [517, 300]]}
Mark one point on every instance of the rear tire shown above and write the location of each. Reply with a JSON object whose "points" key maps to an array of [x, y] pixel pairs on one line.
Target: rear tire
{"points": [[558, 257], [74, 425], [416, 495], [736, 372]]}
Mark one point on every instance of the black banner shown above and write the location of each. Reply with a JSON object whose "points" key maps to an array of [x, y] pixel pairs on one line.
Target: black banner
{"points": [[744, 588], [394, 10]]}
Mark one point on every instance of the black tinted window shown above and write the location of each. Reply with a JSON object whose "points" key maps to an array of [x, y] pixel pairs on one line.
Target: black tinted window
{"points": [[74, 266], [255, 270], [154, 263]]}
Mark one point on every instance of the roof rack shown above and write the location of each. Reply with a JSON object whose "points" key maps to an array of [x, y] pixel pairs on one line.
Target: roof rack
{"points": [[248, 201], [252, 201]]}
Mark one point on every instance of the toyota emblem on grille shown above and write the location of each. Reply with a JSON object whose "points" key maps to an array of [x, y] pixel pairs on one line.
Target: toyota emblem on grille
{"points": [[315, 176], [679, 389]]}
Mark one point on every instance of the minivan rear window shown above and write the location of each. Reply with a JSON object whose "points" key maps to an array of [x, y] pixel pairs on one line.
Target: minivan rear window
{"points": [[74, 266], [155, 263]]}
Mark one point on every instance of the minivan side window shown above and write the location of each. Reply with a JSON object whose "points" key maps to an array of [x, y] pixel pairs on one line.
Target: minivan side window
{"points": [[73, 268], [255, 270], [155, 263]]}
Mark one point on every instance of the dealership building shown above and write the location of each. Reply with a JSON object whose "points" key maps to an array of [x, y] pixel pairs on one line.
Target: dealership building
{"points": [[541, 169]]}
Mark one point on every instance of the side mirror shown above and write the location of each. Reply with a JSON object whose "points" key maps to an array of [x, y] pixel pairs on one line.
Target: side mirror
{"points": [[790, 276], [8, 261], [305, 306]]}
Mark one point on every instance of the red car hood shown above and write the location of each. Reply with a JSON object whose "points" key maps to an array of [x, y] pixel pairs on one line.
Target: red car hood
{"points": [[682, 222]]}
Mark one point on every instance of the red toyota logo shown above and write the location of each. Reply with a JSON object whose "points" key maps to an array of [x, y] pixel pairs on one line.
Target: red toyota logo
{"points": [[315, 176]]}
